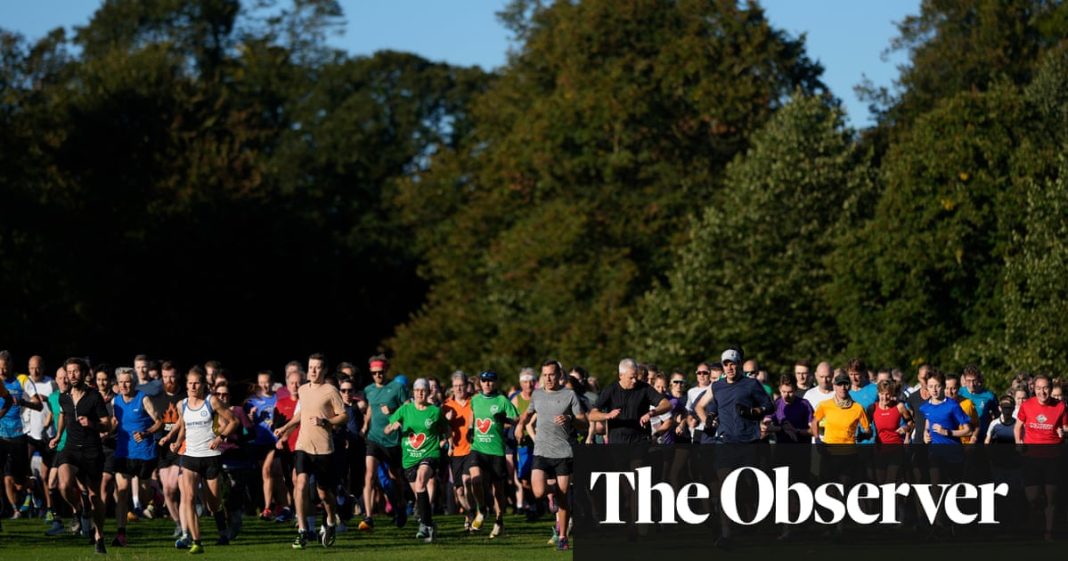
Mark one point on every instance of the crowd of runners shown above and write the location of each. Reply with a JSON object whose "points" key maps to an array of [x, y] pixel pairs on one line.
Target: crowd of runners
{"points": [[343, 445]]}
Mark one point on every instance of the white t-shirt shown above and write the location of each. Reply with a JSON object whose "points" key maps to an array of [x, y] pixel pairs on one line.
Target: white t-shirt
{"points": [[815, 397], [33, 422], [693, 395]]}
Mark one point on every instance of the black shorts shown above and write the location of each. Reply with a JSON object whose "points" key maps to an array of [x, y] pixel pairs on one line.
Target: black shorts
{"points": [[110, 464], [411, 473], [321, 466], [492, 467], [259, 452], [461, 466], [14, 458], [554, 466], [1041, 471], [131, 467], [208, 468], [168, 458], [390, 455], [88, 462], [48, 455]]}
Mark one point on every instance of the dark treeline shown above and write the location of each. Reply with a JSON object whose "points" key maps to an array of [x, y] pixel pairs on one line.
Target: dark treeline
{"points": [[206, 179]]}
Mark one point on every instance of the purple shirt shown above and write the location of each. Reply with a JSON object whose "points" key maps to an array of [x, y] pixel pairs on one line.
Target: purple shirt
{"points": [[798, 413]]}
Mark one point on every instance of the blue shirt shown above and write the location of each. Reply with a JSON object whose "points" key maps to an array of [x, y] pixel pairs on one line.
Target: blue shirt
{"points": [[866, 397], [726, 397], [986, 406], [11, 423], [263, 418], [948, 414], [132, 418]]}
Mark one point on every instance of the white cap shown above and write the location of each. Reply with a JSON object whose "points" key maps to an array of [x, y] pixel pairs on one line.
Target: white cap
{"points": [[731, 355], [421, 384]]}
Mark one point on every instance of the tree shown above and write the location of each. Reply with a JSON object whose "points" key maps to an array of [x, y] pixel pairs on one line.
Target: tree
{"points": [[752, 272], [605, 132]]}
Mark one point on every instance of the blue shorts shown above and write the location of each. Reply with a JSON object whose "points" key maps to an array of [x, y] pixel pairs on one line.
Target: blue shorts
{"points": [[524, 462]]}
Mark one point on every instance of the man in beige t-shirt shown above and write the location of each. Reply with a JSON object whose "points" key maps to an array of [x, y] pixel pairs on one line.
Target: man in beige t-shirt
{"points": [[319, 410]]}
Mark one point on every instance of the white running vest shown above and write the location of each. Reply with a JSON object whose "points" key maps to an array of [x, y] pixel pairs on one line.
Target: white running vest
{"points": [[199, 430]]}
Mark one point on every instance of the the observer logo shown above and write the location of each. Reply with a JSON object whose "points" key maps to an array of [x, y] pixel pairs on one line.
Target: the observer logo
{"points": [[863, 503]]}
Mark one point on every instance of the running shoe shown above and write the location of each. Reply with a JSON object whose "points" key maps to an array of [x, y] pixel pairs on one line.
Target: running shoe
{"points": [[328, 536], [131, 516], [177, 531], [196, 549], [266, 515], [367, 525], [563, 545], [556, 536], [285, 516], [120, 540], [100, 549], [16, 515], [467, 524], [301, 541], [76, 526], [401, 519], [430, 531], [56, 528], [421, 534], [183, 542], [498, 529], [476, 524], [50, 517], [149, 512]]}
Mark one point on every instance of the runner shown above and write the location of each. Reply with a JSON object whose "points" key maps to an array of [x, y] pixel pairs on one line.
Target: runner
{"points": [[422, 425], [628, 404], [355, 447], [946, 426], [823, 391], [62, 387], [260, 407], [457, 410], [37, 425], [320, 410], [84, 417], [204, 425], [237, 463], [490, 412], [557, 408], [986, 404], [523, 448], [135, 424], [383, 398], [1042, 427], [14, 459], [169, 404], [285, 410], [704, 382]]}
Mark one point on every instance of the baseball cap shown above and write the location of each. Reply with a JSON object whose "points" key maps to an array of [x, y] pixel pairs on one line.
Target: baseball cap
{"points": [[842, 380], [731, 355], [421, 384], [488, 375]]}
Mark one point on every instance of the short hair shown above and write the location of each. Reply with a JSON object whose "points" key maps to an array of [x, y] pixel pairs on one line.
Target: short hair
{"points": [[787, 380], [168, 365], [459, 375], [295, 363], [716, 367], [197, 371], [348, 366], [653, 368], [81, 363], [937, 375], [142, 358], [888, 386], [804, 362], [5, 355], [124, 371], [855, 364], [953, 376], [972, 370], [580, 371], [1049, 379], [266, 373], [321, 358], [378, 357], [557, 367], [628, 365], [213, 364]]}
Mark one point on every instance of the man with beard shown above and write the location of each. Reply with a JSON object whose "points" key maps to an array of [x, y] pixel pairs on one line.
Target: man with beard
{"points": [[84, 416], [168, 404], [14, 459]]}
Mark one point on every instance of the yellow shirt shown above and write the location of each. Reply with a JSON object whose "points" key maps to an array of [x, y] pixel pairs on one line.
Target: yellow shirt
{"points": [[969, 408], [840, 425]]}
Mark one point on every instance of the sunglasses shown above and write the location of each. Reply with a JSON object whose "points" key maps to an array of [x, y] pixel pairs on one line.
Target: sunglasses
{"points": [[679, 382], [345, 390], [222, 394], [704, 372]]}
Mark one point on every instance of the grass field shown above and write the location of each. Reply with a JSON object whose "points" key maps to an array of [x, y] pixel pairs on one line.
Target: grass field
{"points": [[24, 540]]}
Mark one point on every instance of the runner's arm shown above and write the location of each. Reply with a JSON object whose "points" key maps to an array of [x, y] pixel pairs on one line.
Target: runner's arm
{"points": [[157, 420]]}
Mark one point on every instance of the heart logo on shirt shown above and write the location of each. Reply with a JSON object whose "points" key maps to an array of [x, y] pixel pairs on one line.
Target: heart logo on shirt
{"points": [[415, 441], [483, 425]]}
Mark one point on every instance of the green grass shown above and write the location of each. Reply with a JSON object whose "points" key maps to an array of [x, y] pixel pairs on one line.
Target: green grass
{"points": [[24, 540]]}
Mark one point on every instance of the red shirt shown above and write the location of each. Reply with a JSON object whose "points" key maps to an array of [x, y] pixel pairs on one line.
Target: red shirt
{"points": [[1041, 421], [284, 410], [887, 421]]}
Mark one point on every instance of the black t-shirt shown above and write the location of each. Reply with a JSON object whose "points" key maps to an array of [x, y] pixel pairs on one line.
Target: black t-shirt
{"points": [[632, 403], [915, 401], [91, 405]]}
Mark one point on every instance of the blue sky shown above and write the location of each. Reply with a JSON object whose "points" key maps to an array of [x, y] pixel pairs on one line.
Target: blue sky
{"points": [[847, 36]]}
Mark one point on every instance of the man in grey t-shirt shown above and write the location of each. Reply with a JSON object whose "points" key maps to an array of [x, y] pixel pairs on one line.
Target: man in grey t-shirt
{"points": [[549, 420]]}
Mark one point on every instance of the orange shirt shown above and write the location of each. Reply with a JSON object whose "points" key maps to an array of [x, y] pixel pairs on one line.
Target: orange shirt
{"points": [[841, 424], [461, 419]]}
